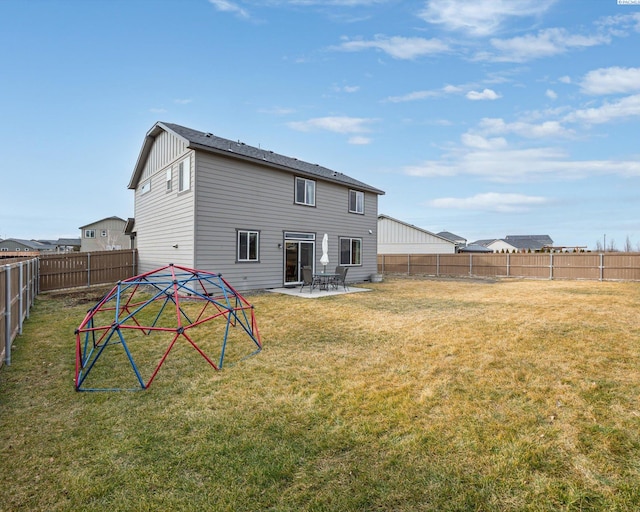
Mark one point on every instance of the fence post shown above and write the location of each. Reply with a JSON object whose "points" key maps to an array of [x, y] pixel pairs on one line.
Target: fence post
{"points": [[20, 298], [88, 269], [7, 316], [551, 266], [408, 264], [438, 265], [470, 265], [601, 267]]}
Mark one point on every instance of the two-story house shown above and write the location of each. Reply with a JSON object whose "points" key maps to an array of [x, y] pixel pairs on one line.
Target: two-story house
{"points": [[252, 215], [104, 235]]}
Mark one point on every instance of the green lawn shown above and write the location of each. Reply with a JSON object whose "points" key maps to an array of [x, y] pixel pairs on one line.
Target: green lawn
{"points": [[419, 395]]}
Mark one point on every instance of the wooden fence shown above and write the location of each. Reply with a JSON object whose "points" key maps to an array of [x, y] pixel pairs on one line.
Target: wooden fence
{"points": [[21, 279], [77, 269], [18, 288], [612, 266]]}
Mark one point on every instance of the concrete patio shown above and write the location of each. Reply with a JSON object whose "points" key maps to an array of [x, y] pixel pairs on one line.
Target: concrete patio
{"points": [[317, 293]]}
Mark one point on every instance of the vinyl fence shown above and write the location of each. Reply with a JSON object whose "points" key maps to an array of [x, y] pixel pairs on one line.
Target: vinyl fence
{"points": [[21, 279], [18, 288], [595, 266]]}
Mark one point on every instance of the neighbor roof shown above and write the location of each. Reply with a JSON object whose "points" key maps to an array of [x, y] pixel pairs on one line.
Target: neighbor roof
{"points": [[207, 142], [101, 220]]}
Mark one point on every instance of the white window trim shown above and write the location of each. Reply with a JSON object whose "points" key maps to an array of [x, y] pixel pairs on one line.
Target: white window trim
{"points": [[169, 179], [89, 233], [248, 233], [306, 201], [351, 239], [146, 187], [359, 204], [184, 175]]}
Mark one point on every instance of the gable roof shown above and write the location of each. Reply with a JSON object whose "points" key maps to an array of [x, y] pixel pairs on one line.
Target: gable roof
{"points": [[451, 236], [416, 228], [102, 220], [31, 244], [529, 241], [210, 143]]}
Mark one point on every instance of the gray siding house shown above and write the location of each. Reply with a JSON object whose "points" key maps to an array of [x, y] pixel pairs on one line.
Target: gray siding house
{"points": [[104, 235], [252, 215]]}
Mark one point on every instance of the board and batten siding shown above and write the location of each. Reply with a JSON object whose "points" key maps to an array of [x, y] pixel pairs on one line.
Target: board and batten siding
{"points": [[165, 218], [166, 149], [400, 238], [236, 195]]}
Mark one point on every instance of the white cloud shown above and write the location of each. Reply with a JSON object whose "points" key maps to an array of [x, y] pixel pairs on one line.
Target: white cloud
{"points": [[565, 79], [337, 124], [404, 48], [359, 140], [156, 110], [486, 94], [506, 165], [624, 108], [480, 17], [226, 6], [477, 141], [497, 126], [611, 80], [421, 95], [551, 94], [490, 201], [277, 111], [182, 101], [546, 43]]}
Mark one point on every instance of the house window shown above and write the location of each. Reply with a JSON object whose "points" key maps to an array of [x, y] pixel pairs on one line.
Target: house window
{"points": [[89, 233], [184, 175], [356, 201], [146, 187], [351, 251], [103, 233], [4, 249], [248, 245], [169, 177], [305, 192]]}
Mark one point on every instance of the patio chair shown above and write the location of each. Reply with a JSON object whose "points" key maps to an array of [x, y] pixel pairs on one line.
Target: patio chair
{"points": [[341, 277], [308, 279]]}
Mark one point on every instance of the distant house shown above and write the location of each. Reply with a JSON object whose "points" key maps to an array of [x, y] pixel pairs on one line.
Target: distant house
{"points": [[62, 245], [104, 235], [255, 216], [397, 237], [517, 243], [19, 245], [456, 239]]}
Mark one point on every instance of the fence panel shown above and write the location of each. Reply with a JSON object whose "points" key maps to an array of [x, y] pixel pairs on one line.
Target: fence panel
{"points": [[74, 270], [595, 266], [621, 266], [18, 288]]}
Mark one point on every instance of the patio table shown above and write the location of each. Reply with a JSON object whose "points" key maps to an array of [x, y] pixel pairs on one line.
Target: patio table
{"points": [[325, 279]]}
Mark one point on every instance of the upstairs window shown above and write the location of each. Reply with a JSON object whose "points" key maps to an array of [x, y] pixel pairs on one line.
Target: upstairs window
{"points": [[89, 233], [184, 175], [248, 245], [146, 187], [356, 201], [169, 179], [305, 192], [351, 251], [103, 232]]}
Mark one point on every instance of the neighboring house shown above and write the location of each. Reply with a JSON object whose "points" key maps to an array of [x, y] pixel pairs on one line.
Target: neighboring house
{"points": [[397, 237], [252, 215], [458, 240], [62, 245], [18, 245], [525, 243], [517, 243], [104, 235]]}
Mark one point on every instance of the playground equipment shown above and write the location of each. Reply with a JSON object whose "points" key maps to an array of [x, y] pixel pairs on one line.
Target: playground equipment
{"points": [[144, 314]]}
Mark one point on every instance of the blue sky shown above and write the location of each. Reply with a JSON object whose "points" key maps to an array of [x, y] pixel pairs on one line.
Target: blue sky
{"points": [[485, 118]]}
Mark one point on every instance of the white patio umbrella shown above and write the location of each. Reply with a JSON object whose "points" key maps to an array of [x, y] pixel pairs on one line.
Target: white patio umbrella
{"points": [[325, 251]]}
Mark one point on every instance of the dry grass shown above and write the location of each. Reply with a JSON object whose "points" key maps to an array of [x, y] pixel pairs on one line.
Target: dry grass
{"points": [[419, 395]]}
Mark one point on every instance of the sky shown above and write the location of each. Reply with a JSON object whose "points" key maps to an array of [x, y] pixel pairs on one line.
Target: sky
{"points": [[484, 118]]}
